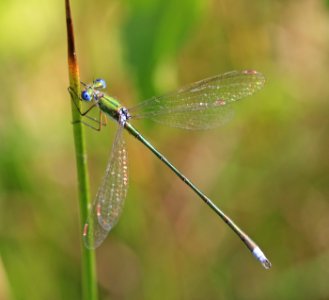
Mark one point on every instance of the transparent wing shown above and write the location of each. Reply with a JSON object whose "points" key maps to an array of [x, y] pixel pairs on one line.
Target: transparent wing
{"points": [[93, 233], [203, 104], [110, 197]]}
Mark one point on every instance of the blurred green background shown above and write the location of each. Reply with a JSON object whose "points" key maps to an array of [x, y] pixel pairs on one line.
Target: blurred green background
{"points": [[267, 168]]}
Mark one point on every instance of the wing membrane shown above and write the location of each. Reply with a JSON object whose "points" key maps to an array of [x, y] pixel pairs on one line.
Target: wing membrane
{"points": [[107, 206], [203, 104]]}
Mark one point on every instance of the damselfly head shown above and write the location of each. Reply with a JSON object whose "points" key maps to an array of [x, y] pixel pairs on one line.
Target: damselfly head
{"points": [[99, 83], [87, 94]]}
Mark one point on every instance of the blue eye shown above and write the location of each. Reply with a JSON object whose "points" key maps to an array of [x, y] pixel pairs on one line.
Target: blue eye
{"points": [[100, 83], [85, 96]]}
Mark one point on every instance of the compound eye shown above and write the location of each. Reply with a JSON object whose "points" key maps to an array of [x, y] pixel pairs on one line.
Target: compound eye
{"points": [[85, 96], [99, 83]]}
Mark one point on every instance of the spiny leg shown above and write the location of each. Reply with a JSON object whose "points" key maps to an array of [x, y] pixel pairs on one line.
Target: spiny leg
{"points": [[99, 121], [73, 93], [84, 114]]}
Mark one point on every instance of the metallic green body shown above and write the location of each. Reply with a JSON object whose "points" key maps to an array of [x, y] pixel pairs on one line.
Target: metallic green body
{"points": [[193, 107], [110, 106]]}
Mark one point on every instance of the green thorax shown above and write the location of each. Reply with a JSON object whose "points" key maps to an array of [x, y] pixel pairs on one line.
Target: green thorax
{"points": [[109, 106]]}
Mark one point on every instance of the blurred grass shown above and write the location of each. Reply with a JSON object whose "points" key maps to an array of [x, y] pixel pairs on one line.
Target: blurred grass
{"points": [[268, 168]]}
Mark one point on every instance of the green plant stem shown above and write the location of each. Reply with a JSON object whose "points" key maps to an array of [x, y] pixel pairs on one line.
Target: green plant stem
{"points": [[89, 280]]}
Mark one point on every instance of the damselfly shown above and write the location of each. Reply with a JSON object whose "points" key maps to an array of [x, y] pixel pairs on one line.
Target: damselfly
{"points": [[201, 105]]}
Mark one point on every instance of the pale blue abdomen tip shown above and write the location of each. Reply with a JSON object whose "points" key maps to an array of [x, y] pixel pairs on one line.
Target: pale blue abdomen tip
{"points": [[262, 258]]}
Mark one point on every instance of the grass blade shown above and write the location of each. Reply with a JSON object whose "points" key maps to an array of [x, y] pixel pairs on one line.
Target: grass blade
{"points": [[89, 282]]}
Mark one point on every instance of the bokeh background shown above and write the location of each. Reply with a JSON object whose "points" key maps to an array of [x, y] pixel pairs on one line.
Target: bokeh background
{"points": [[267, 168]]}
